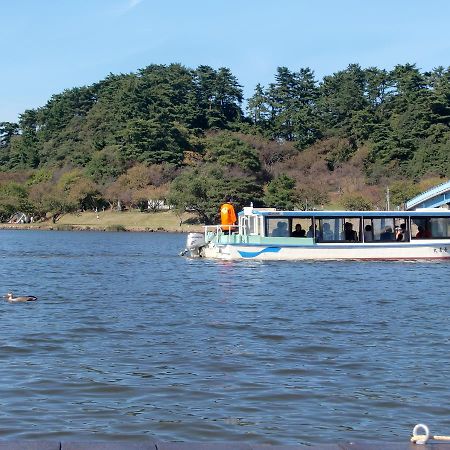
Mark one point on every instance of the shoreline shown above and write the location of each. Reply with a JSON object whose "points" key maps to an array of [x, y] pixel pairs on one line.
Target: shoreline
{"points": [[114, 221]]}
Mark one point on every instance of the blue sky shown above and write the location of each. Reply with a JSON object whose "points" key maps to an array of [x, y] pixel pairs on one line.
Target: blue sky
{"points": [[52, 45]]}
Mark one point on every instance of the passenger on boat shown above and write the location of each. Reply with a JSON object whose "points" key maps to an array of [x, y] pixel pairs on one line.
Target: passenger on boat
{"points": [[327, 234], [401, 233], [227, 216], [423, 233], [387, 235], [368, 236], [310, 232], [299, 231], [281, 230], [349, 232]]}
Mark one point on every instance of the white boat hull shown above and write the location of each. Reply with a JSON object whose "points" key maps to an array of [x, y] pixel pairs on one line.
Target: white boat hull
{"points": [[357, 251]]}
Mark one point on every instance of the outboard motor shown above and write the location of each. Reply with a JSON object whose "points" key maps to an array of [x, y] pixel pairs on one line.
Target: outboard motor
{"points": [[194, 242]]}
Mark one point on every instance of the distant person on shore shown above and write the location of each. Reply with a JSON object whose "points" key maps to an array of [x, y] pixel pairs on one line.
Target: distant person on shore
{"points": [[228, 216]]}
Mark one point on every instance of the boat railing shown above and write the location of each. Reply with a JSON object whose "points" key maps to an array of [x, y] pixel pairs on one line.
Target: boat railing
{"points": [[220, 232]]}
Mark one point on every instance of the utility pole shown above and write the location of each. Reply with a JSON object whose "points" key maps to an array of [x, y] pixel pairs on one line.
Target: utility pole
{"points": [[388, 203]]}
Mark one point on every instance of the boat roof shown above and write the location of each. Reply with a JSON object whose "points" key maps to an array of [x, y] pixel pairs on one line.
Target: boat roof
{"points": [[430, 212]]}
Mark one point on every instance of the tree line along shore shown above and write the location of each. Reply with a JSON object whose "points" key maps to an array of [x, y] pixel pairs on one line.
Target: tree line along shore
{"points": [[172, 135]]}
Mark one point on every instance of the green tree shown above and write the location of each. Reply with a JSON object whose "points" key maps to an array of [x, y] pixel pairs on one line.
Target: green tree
{"points": [[24, 148], [439, 82], [341, 95], [258, 107], [227, 150], [154, 142], [13, 198], [379, 87], [402, 191], [203, 189], [48, 198], [281, 193], [432, 157], [7, 131], [78, 191], [106, 165], [40, 176], [220, 96], [62, 108], [281, 98], [292, 102]]}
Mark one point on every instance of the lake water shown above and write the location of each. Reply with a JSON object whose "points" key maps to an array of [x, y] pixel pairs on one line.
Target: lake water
{"points": [[128, 340]]}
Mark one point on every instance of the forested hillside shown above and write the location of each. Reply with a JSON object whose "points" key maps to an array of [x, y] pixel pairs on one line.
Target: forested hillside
{"points": [[180, 134]]}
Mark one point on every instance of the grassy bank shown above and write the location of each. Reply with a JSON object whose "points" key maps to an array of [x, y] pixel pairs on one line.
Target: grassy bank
{"points": [[118, 221]]}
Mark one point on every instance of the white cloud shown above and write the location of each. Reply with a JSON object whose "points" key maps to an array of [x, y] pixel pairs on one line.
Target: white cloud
{"points": [[133, 3], [126, 6]]}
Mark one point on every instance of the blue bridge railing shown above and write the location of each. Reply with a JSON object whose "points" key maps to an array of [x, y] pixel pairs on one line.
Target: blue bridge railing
{"points": [[432, 198]]}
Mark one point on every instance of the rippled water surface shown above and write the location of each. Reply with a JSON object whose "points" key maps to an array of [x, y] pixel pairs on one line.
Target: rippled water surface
{"points": [[128, 340]]}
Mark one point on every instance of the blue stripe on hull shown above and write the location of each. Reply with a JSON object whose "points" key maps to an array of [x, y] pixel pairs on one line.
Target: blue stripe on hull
{"points": [[255, 254]]}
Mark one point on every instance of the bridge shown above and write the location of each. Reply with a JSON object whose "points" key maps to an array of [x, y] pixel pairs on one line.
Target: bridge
{"points": [[433, 198]]}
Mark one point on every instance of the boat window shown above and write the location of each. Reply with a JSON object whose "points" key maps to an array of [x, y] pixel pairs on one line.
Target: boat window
{"points": [[394, 229], [352, 229], [430, 227], [330, 229], [440, 227], [302, 227], [420, 228], [339, 229], [277, 227], [383, 229]]}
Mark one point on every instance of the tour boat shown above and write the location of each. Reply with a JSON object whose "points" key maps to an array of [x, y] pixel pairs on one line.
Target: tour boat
{"points": [[268, 234]]}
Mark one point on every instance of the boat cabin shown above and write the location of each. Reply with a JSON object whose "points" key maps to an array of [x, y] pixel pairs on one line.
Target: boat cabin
{"points": [[345, 226]]}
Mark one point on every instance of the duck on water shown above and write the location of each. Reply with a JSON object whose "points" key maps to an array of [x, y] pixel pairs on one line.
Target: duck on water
{"points": [[27, 298]]}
